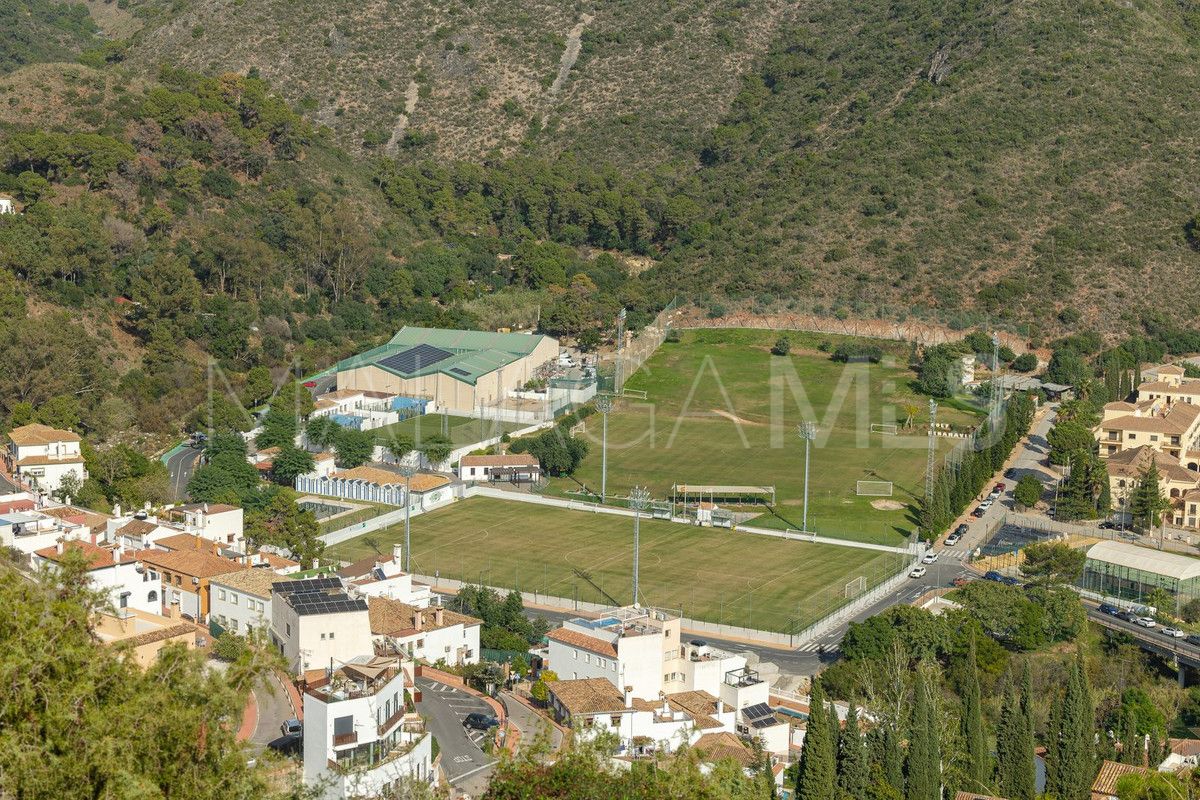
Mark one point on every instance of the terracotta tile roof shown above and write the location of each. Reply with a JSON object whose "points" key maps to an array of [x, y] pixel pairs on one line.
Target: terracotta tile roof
{"points": [[511, 460], [213, 508], [1169, 369], [187, 541], [193, 563], [24, 505], [98, 557], [256, 581], [92, 519], [1132, 462], [583, 641], [363, 566], [326, 456], [276, 561], [425, 482], [1111, 772], [137, 527], [421, 482], [1185, 387], [392, 618], [36, 434], [721, 746], [699, 705], [1185, 747], [973, 796], [41, 461], [587, 696]]}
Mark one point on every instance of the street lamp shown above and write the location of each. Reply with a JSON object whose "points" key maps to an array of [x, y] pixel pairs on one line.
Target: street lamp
{"points": [[604, 404], [407, 470], [639, 500], [807, 432]]}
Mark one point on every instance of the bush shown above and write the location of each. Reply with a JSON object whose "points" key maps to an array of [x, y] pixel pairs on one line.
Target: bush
{"points": [[781, 347], [1026, 362], [229, 646], [1028, 491], [856, 352]]}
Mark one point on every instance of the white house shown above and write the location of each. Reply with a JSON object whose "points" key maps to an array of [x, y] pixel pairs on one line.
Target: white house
{"points": [[314, 622], [215, 521], [639, 647], [359, 736], [113, 569], [375, 576], [44, 456], [1181, 754], [241, 601], [8, 204], [516, 468], [429, 634]]}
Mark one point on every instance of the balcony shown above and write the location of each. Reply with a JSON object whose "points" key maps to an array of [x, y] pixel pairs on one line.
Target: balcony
{"points": [[343, 739], [412, 722]]}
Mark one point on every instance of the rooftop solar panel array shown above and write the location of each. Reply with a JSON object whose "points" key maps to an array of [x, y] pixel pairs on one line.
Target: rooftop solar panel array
{"points": [[305, 603], [415, 358], [757, 711], [306, 585]]}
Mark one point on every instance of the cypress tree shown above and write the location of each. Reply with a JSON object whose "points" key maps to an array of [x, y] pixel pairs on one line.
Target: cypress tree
{"points": [[852, 768], [924, 751], [817, 771], [1071, 759], [885, 755], [1007, 732], [971, 724], [1131, 743], [1023, 770]]}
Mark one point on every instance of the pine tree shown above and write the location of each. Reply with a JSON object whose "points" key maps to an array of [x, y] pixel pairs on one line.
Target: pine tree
{"points": [[971, 722], [924, 775], [852, 768], [1147, 503], [817, 772]]}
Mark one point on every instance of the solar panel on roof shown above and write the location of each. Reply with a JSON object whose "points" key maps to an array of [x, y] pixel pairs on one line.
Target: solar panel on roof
{"points": [[757, 711], [414, 358], [763, 722]]}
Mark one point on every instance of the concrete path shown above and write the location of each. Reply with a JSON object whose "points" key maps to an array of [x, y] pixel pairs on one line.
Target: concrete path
{"points": [[532, 725]]}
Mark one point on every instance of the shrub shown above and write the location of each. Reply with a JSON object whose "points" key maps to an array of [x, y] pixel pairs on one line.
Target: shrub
{"points": [[1026, 362], [781, 347]]}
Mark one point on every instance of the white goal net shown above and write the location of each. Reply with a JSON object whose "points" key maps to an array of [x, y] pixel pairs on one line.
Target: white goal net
{"points": [[873, 488], [883, 427], [856, 587]]}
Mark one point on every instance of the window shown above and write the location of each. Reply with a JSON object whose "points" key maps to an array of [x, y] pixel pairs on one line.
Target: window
{"points": [[233, 599], [288, 625], [1153, 438], [1132, 436], [233, 625], [575, 654], [420, 643], [322, 637], [615, 720], [587, 658], [152, 597], [331, 634], [220, 594], [124, 602]]}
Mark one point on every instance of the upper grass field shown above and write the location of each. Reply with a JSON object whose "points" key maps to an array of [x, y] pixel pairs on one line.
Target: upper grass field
{"points": [[686, 431], [711, 574], [463, 430]]}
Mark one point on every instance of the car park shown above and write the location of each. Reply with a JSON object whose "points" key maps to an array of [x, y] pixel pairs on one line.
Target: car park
{"points": [[480, 721], [1108, 608], [1174, 633], [930, 558], [918, 572], [992, 575], [1146, 622]]}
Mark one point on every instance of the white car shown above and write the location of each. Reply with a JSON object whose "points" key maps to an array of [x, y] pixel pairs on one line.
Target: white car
{"points": [[930, 558], [986, 504], [953, 539], [1174, 633], [918, 572], [1146, 622]]}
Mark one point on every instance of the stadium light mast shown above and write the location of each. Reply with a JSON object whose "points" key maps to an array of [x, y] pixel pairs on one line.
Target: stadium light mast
{"points": [[407, 470], [618, 379], [932, 449], [808, 432], [604, 405], [995, 375], [639, 499]]}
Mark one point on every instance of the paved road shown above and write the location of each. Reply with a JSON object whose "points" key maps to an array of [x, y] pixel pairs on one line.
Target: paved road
{"points": [[466, 766], [273, 709], [531, 724], [180, 468]]}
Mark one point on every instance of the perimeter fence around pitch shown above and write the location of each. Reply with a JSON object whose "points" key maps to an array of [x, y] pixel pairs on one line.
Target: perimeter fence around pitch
{"points": [[631, 356]]}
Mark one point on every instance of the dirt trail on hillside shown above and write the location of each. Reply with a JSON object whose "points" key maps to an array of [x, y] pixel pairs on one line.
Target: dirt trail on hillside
{"points": [[411, 94], [567, 62]]}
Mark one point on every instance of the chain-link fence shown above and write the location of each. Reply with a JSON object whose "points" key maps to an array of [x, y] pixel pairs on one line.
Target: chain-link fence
{"points": [[634, 352]]}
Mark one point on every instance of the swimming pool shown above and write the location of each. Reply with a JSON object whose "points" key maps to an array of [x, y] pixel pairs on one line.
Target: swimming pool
{"points": [[321, 510]]}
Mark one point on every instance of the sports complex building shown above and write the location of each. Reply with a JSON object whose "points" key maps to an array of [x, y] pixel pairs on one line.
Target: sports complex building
{"points": [[460, 371], [1130, 572]]}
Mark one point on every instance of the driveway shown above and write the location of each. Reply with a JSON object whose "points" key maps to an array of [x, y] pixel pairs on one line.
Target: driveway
{"points": [[273, 709], [180, 468], [465, 764]]}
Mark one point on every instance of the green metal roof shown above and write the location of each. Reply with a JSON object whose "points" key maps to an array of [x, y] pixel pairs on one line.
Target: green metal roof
{"points": [[475, 353]]}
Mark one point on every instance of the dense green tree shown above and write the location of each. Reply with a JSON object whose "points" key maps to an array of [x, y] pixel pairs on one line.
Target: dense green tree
{"points": [[1070, 755], [1051, 563], [1067, 367], [1147, 503], [1028, 491], [284, 524], [974, 738], [279, 428], [1067, 439], [853, 767], [923, 767], [816, 775], [354, 448], [291, 462], [437, 448]]}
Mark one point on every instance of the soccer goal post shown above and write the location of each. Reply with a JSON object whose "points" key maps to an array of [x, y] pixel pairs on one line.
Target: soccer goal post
{"points": [[636, 394], [888, 428], [874, 488], [856, 587]]}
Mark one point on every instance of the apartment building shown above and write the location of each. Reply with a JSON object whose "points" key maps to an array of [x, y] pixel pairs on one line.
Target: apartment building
{"points": [[44, 456], [428, 634], [111, 568], [185, 576], [240, 602], [360, 738], [315, 622]]}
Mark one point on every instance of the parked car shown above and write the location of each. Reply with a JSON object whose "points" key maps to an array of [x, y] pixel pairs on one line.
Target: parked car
{"points": [[1011, 473], [978, 512], [1000, 487], [1174, 633], [930, 558], [1009, 580], [479, 721], [918, 572], [962, 529], [960, 581], [291, 727], [986, 504], [1109, 525], [1108, 608], [952, 539], [1146, 622], [992, 575], [310, 384]]}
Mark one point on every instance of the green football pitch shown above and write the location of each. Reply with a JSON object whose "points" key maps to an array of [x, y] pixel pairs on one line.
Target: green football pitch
{"points": [[720, 409], [711, 574], [462, 430]]}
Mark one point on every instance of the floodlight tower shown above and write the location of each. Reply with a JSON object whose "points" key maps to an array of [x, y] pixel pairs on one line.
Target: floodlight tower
{"points": [[639, 499], [808, 432], [617, 377], [407, 470], [995, 375], [604, 405], [932, 451]]}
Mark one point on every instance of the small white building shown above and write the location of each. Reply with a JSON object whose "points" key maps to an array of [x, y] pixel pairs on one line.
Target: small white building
{"points": [[8, 204], [514, 468], [217, 522], [427, 634], [314, 622], [113, 569], [241, 601], [359, 736], [375, 576], [44, 456]]}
